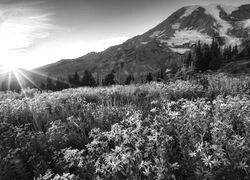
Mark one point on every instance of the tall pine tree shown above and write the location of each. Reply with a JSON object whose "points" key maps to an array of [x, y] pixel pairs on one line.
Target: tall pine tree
{"points": [[88, 79], [188, 60], [200, 64], [129, 79], [149, 77], [49, 84], [76, 79], [216, 59], [109, 79], [235, 52]]}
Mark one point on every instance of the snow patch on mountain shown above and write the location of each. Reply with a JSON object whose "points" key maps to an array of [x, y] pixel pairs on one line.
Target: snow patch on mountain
{"points": [[185, 36], [224, 26], [229, 9], [189, 11], [144, 43], [246, 23], [233, 41], [214, 10], [180, 50], [157, 34]]}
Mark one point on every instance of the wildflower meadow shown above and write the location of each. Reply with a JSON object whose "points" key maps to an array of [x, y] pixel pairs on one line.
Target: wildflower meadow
{"points": [[178, 130]]}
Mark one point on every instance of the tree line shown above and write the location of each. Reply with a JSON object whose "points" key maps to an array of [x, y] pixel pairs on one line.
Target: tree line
{"points": [[204, 57], [72, 81], [212, 57], [88, 80]]}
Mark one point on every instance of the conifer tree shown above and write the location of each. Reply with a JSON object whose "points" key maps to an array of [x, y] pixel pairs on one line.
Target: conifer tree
{"points": [[70, 79], [235, 52], [49, 84], [88, 79], [188, 60], [227, 54], [247, 52], [129, 79], [60, 84], [109, 79], [149, 77], [206, 57], [215, 62], [42, 85], [76, 79], [162, 74], [200, 64]]}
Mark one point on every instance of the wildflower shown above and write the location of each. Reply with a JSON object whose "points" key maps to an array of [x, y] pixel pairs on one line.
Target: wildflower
{"points": [[207, 160], [192, 154]]}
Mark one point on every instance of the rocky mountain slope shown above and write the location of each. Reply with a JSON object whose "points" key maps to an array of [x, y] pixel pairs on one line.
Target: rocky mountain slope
{"points": [[164, 45]]}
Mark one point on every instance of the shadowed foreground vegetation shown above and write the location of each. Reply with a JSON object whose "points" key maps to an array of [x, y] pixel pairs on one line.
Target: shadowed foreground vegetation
{"points": [[193, 129]]}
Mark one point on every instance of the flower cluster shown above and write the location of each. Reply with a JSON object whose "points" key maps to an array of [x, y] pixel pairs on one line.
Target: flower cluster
{"points": [[183, 129]]}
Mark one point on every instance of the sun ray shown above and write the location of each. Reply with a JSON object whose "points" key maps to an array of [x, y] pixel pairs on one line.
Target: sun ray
{"points": [[20, 83], [9, 80], [46, 76], [27, 78]]}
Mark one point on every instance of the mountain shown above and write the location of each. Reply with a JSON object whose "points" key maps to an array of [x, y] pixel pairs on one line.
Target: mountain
{"points": [[165, 45]]}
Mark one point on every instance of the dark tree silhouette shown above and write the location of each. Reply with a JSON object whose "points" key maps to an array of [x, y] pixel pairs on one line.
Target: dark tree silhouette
{"points": [[76, 79], [235, 52], [70, 79], [200, 64], [129, 79], [149, 77], [61, 84], [227, 54], [109, 79], [216, 59], [246, 52], [42, 85], [188, 60], [88, 79], [206, 57], [49, 84], [3, 85]]}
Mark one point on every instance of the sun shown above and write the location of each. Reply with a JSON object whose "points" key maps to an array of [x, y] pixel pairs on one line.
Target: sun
{"points": [[11, 62], [10, 68]]}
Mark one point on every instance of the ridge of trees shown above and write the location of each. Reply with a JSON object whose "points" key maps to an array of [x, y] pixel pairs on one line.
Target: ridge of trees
{"points": [[202, 58], [213, 56]]}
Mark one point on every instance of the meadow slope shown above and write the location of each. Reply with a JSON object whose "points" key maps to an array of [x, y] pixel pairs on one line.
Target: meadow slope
{"points": [[181, 129]]}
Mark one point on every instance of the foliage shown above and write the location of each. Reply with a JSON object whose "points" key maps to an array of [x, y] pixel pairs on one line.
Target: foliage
{"points": [[88, 79], [109, 79], [181, 129], [129, 79], [208, 57], [149, 77]]}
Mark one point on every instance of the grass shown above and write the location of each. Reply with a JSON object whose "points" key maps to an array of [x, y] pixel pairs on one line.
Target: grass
{"points": [[182, 129]]}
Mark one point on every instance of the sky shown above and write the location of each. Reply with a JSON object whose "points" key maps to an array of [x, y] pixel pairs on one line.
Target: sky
{"points": [[38, 32]]}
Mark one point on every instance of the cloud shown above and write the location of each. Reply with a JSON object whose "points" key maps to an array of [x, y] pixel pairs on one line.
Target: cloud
{"points": [[20, 25]]}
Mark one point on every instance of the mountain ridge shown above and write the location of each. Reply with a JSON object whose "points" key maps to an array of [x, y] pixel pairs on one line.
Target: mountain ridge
{"points": [[165, 44]]}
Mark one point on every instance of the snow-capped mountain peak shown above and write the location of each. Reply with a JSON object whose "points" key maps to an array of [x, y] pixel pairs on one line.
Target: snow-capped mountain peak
{"points": [[229, 24], [189, 11], [166, 43]]}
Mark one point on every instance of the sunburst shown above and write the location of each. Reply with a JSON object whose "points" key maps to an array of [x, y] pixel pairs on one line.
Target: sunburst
{"points": [[22, 80]]}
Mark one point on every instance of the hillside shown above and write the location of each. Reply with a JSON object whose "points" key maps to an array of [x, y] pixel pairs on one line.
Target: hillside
{"points": [[165, 44]]}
